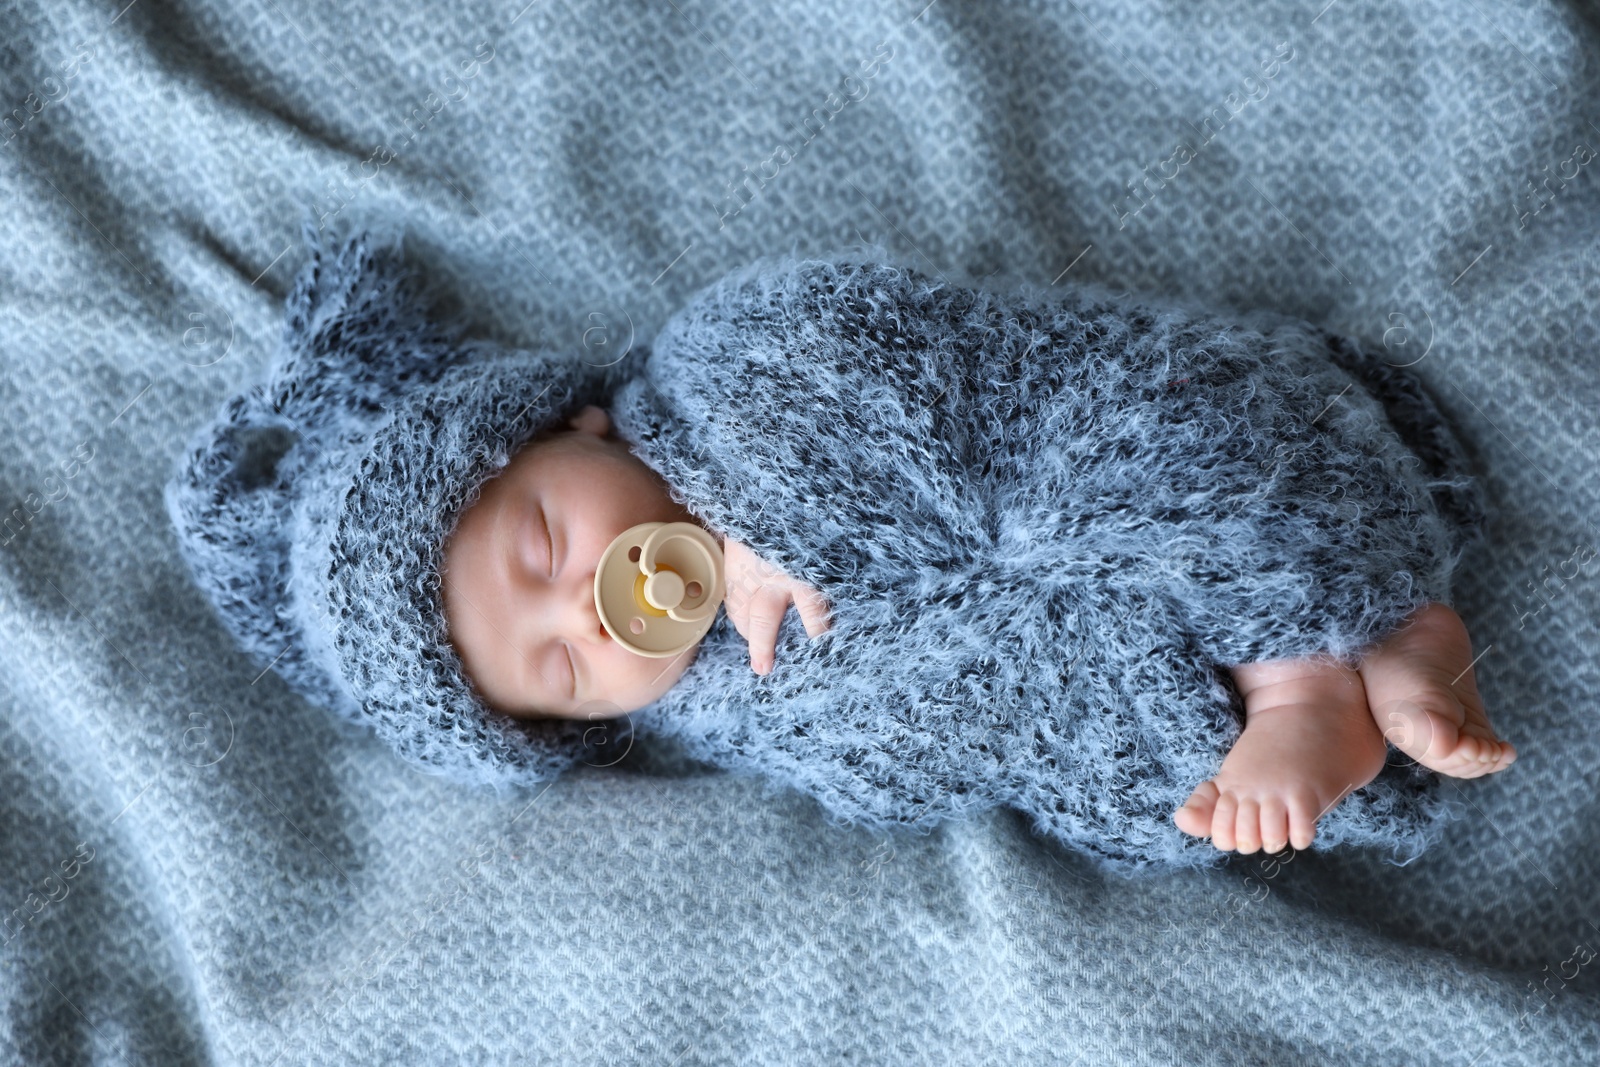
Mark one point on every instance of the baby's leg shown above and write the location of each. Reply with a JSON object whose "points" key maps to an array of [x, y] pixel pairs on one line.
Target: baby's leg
{"points": [[1308, 740], [1424, 697]]}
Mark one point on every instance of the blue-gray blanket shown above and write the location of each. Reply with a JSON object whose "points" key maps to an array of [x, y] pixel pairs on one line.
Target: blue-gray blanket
{"points": [[202, 868]]}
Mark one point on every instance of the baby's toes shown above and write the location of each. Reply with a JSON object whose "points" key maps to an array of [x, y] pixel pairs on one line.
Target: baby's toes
{"points": [[1194, 818], [1274, 825], [1247, 826], [1474, 755], [1222, 822], [1302, 819], [1495, 754], [1486, 756], [1472, 747]]}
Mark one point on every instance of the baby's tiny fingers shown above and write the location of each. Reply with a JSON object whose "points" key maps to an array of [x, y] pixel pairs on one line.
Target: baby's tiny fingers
{"points": [[766, 615], [813, 608]]}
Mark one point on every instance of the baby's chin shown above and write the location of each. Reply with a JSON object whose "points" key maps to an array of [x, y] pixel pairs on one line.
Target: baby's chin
{"points": [[659, 676]]}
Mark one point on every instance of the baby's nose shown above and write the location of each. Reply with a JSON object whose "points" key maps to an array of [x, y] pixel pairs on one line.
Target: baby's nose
{"points": [[580, 619]]}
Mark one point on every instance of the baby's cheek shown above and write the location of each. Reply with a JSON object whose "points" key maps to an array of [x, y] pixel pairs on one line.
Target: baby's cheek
{"points": [[637, 680]]}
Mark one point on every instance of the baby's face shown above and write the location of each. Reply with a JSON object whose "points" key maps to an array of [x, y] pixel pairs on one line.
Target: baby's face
{"points": [[518, 578]]}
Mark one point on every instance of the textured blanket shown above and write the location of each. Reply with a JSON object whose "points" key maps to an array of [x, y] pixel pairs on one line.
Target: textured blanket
{"points": [[201, 868], [1045, 521]]}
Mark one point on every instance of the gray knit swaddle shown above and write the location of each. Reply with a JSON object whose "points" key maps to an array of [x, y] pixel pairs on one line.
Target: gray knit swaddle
{"points": [[1047, 524]]}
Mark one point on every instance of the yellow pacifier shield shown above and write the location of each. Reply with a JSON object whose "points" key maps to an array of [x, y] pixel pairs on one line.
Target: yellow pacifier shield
{"points": [[658, 587]]}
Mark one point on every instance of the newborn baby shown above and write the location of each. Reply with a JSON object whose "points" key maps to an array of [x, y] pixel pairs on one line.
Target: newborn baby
{"points": [[812, 340], [1143, 574], [519, 596]]}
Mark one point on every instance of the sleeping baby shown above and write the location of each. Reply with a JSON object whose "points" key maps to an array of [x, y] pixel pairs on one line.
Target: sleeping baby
{"points": [[1145, 574], [519, 594]]}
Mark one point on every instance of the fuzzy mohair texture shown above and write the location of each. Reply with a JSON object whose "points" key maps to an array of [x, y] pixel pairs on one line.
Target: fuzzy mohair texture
{"points": [[314, 507], [1047, 523]]}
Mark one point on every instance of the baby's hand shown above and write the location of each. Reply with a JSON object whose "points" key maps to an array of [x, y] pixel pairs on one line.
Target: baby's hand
{"points": [[758, 596]]}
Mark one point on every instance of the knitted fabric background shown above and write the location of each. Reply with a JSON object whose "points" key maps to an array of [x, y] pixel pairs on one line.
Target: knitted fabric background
{"points": [[202, 868]]}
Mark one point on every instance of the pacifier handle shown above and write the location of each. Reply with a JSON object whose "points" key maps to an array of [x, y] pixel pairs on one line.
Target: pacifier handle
{"points": [[658, 586]]}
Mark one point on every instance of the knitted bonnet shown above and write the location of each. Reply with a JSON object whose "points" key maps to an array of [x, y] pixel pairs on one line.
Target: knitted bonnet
{"points": [[313, 510]]}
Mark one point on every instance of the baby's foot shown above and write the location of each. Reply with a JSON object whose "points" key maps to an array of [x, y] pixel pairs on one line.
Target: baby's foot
{"points": [[1425, 699], [1308, 740]]}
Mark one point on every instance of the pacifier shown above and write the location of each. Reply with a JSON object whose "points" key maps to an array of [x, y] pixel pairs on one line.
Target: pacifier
{"points": [[658, 586]]}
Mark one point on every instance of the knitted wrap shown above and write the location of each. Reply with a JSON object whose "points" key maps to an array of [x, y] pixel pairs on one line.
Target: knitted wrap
{"points": [[1047, 523], [314, 508]]}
